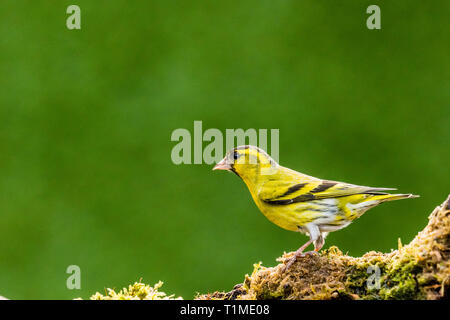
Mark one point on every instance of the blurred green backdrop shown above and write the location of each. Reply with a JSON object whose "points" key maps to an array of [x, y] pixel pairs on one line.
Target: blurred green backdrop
{"points": [[86, 116]]}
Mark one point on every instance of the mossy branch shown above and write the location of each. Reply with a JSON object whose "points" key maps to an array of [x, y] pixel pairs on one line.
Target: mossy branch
{"points": [[419, 270]]}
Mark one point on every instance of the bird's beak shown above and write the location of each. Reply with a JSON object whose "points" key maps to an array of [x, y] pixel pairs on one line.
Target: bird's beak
{"points": [[222, 165]]}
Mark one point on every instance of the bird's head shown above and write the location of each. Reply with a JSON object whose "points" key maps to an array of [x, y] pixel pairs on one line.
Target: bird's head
{"points": [[248, 162]]}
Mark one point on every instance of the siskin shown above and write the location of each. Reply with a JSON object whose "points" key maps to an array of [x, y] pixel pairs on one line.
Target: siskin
{"points": [[298, 202]]}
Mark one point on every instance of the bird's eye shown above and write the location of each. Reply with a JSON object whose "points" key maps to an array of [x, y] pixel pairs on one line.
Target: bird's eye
{"points": [[235, 155]]}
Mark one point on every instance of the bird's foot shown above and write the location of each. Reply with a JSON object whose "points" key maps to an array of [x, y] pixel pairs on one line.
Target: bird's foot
{"points": [[310, 253], [295, 257]]}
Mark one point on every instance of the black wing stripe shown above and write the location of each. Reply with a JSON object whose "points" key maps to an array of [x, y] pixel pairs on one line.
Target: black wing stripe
{"points": [[323, 186], [289, 191], [293, 189], [301, 198]]}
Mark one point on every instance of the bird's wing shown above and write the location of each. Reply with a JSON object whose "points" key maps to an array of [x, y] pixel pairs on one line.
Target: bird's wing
{"points": [[293, 188]]}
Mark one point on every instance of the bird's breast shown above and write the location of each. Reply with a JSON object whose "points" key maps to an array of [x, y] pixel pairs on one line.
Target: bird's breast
{"points": [[288, 217]]}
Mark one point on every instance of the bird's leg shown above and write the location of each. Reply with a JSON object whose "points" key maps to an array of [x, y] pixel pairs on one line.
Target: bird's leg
{"points": [[297, 254], [318, 244], [316, 237]]}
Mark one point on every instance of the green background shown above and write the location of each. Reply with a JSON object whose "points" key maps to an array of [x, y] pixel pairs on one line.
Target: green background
{"points": [[86, 117]]}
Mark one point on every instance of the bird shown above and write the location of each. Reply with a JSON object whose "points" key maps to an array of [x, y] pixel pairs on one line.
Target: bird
{"points": [[298, 202]]}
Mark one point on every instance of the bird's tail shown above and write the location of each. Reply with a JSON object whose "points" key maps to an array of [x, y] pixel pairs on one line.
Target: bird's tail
{"points": [[375, 199], [390, 197]]}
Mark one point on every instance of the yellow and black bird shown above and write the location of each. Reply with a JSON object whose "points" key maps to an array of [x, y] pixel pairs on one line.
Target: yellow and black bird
{"points": [[298, 202]]}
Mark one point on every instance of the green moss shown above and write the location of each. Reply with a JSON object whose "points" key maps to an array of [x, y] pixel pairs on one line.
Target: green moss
{"points": [[403, 290], [398, 275], [401, 280], [136, 291], [332, 252]]}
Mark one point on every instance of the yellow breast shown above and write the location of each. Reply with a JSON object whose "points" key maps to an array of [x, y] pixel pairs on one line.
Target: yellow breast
{"points": [[289, 217]]}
